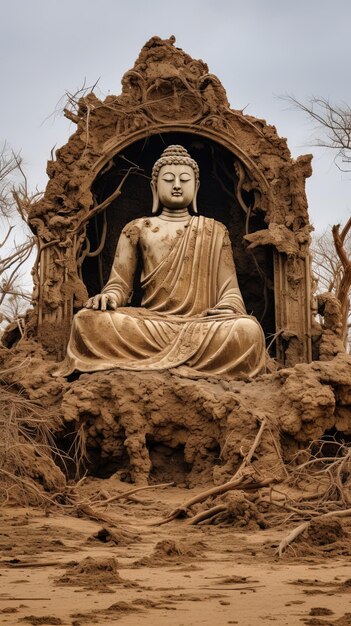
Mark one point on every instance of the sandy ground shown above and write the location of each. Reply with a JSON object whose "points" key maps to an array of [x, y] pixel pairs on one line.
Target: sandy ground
{"points": [[55, 570]]}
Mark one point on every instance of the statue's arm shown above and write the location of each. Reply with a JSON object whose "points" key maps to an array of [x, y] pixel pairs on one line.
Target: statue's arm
{"points": [[119, 287], [229, 297]]}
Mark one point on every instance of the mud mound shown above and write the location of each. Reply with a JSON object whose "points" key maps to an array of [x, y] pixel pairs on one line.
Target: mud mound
{"points": [[326, 538], [115, 611], [170, 549], [326, 532], [319, 611], [92, 573], [241, 512], [234, 508], [168, 552], [345, 620]]}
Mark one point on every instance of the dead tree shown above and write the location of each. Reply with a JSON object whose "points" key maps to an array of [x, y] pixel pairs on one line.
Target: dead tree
{"points": [[332, 268], [333, 127], [16, 241], [343, 290], [333, 131]]}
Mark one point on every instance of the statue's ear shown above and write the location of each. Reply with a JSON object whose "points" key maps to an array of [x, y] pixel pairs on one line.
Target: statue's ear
{"points": [[155, 202], [193, 205]]}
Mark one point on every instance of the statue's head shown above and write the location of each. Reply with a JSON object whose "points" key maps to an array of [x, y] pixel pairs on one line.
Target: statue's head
{"points": [[175, 180]]}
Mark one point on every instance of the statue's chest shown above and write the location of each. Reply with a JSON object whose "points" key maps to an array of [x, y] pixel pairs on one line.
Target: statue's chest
{"points": [[157, 241]]}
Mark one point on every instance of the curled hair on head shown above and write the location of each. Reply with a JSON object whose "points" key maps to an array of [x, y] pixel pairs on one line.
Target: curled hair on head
{"points": [[175, 155]]}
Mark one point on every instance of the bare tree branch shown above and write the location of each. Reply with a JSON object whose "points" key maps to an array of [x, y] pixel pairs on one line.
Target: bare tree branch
{"points": [[332, 268], [333, 126], [15, 202]]}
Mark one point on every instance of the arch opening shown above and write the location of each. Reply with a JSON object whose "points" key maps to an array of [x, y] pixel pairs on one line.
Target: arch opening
{"points": [[216, 199]]}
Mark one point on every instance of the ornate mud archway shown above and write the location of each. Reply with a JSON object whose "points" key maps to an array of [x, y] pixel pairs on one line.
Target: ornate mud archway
{"points": [[168, 96]]}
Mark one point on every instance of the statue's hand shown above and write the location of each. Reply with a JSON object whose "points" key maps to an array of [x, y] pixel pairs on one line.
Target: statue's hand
{"points": [[102, 301], [218, 311]]}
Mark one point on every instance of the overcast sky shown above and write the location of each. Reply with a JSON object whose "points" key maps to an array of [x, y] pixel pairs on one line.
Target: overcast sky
{"points": [[259, 49]]}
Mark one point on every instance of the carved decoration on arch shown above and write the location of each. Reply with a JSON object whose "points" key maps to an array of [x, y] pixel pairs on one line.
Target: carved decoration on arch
{"points": [[167, 85], [254, 177]]}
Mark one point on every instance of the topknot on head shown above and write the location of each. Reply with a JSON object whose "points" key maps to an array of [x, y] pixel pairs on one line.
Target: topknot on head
{"points": [[175, 155], [175, 150]]}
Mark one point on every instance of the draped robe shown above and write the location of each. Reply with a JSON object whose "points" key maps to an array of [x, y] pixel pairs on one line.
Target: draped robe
{"points": [[172, 327]]}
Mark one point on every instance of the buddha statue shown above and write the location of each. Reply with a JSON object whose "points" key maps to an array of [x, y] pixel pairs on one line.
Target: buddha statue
{"points": [[192, 313]]}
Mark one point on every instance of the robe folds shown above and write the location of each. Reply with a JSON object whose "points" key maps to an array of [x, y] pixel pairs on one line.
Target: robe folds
{"points": [[172, 327]]}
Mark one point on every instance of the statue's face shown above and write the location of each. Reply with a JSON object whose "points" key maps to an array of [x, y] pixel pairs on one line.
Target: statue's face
{"points": [[176, 186]]}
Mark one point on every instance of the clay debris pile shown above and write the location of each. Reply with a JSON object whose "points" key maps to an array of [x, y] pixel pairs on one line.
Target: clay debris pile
{"points": [[204, 427], [92, 573], [169, 552]]}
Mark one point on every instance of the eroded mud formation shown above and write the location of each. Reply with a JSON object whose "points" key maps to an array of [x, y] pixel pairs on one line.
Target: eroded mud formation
{"points": [[159, 426]]}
